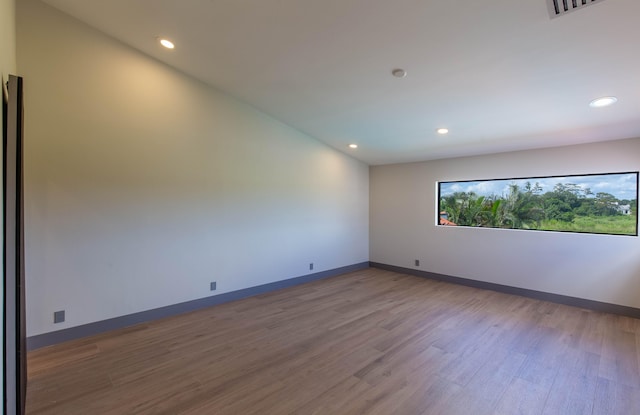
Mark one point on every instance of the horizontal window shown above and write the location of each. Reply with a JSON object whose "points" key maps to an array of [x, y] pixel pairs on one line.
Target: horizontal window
{"points": [[591, 203]]}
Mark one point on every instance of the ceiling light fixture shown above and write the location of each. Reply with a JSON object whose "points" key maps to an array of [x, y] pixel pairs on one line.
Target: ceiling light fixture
{"points": [[442, 131], [603, 102], [399, 73], [167, 43], [353, 146]]}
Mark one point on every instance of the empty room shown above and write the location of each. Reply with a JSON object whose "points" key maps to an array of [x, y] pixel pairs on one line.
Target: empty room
{"points": [[321, 207]]}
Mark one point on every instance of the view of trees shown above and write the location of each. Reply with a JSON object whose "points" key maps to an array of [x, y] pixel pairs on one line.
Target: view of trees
{"points": [[568, 207]]}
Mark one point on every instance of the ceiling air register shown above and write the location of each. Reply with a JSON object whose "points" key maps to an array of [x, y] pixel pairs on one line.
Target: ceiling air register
{"points": [[561, 7]]}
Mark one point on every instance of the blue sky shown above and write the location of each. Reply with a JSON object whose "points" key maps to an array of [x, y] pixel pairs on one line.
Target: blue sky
{"points": [[622, 186]]}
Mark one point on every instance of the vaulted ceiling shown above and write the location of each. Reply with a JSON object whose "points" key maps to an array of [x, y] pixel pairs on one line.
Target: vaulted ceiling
{"points": [[501, 75]]}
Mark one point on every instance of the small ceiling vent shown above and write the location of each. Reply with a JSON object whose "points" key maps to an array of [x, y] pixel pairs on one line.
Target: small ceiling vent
{"points": [[562, 7]]}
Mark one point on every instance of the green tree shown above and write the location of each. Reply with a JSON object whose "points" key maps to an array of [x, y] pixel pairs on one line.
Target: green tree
{"points": [[606, 204], [523, 209], [453, 205], [560, 203], [491, 215]]}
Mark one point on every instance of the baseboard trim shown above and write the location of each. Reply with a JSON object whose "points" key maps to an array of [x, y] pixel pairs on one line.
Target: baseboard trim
{"points": [[524, 292], [85, 330]]}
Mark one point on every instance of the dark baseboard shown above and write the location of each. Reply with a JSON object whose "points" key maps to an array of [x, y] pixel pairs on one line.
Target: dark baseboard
{"points": [[72, 333], [538, 295]]}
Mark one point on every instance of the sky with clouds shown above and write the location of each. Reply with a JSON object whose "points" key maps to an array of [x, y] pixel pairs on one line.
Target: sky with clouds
{"points": [[622, 186]]}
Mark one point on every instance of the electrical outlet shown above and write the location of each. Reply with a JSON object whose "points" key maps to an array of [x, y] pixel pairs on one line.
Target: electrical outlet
{"points": [[212, 286], [417, 262], [58, 317], [311, 266]]}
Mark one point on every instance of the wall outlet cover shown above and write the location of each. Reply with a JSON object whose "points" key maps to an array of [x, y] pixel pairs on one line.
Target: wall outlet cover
{"points": [[58, 317], [212, 286]]}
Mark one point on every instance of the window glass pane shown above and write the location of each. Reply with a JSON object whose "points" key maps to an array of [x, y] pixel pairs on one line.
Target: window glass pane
{"points": [[592, 203]]}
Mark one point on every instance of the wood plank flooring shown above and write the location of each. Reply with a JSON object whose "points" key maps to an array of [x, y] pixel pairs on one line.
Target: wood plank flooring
{"points": [[368, 342]]}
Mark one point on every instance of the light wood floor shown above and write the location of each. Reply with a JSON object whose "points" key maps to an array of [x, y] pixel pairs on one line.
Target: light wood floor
{"points": [[368, 342]]}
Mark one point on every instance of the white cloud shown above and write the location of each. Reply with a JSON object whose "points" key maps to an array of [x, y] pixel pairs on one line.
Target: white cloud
{"points": [[622, 186]]}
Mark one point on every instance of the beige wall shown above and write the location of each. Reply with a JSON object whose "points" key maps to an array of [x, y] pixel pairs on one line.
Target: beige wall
{"points": [[596, 267], [7, 39], [143, 185]]}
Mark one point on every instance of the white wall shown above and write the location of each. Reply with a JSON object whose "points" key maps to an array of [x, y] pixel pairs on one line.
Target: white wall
{"points": [[7, 66], [596, 267], [143, 185]]}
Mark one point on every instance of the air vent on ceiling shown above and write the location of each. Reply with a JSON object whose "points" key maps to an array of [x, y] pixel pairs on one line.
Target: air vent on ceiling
{"points": [[561, 7]]}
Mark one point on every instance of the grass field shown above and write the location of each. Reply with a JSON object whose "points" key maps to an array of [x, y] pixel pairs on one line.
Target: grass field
{"points": [[616, 225]]}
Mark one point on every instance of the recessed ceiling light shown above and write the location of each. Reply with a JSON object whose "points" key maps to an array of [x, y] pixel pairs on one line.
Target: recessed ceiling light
{"points": [[603, 102], [442, 130], [353, 146], [399, 73], [167, 43]]}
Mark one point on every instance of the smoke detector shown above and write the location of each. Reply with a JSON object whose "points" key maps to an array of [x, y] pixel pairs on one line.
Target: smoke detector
{"points": [[562, 7]]}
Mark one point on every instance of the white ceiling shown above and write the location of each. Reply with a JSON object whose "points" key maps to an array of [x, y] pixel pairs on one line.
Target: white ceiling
{"points": [[500, 74]]}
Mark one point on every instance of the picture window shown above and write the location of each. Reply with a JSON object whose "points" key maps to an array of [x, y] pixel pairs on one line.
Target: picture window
{"points": [[591, 203]]}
